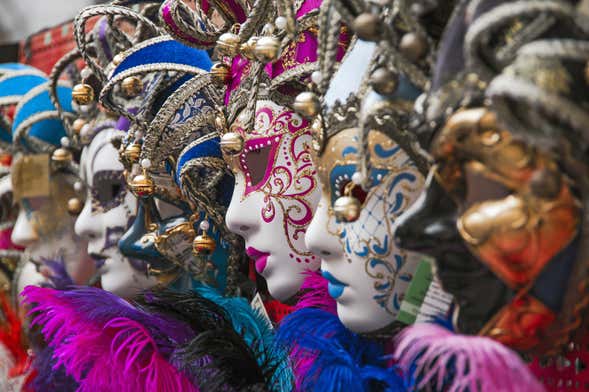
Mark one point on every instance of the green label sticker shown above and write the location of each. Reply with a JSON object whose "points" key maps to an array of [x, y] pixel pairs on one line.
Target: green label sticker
{"points": [[425, 299]]}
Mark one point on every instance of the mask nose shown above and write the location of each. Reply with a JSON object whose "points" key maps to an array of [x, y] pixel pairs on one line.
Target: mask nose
{"points": [[86, 225], [23, 233], [429, 225], [317, 238], [243, 216]]}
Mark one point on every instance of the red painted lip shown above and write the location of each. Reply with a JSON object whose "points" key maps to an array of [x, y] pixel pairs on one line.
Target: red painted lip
{"points": [[260, 258]]}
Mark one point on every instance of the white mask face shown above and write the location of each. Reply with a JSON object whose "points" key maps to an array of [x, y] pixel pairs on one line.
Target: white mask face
{"points": [[276, 193], [28, 275], [109, 210], [368, 275], [54, 247]]}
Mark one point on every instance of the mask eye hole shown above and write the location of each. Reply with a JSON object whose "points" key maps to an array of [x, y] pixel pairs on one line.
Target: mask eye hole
{"points": [[115, 190], [6, 211], [356, 191], [108, 189], [257, 164]]}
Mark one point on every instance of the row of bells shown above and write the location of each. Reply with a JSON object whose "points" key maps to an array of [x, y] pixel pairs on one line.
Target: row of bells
{"points": [[265, 49], [83, 93], [143, 186]]}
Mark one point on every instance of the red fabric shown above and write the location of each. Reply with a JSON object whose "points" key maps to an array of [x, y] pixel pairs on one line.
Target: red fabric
{"points": [[277, 310], [12, 337], [43, 49], [567, 373], [6, 239]]}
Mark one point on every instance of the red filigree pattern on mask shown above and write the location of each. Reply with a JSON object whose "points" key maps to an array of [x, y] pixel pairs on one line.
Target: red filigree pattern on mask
{"points": [[289, 177]]}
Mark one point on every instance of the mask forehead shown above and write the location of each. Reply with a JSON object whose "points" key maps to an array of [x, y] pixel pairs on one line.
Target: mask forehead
{"points": [[278, 139], [341, 159]]}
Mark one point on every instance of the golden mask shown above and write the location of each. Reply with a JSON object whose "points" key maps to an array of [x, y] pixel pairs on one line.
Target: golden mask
{"points": [[517, 208], [43, 193]]}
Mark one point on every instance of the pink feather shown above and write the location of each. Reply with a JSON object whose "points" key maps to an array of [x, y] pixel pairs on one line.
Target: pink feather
{"points": [[315, 294], [479, 363], [117, 355]]}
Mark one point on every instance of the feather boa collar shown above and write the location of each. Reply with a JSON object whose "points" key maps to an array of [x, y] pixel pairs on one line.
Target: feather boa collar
{"points": [[104, 343], [328, 357], [443, 360], [167, 341]]}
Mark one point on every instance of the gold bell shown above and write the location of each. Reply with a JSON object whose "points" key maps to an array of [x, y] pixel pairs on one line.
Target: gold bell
{"points": [[78, 124], [413, 46], [62, 156], [142, 185], [83, 94], [347, 209], [231, 143], [267, 49], [247, 48], [74, 206], [132, 152], [318, 134], [307, 104], [384, 81], [228, 44], [117, 59], [132, 86], [203, 245], [368, 26], [221, 72]]}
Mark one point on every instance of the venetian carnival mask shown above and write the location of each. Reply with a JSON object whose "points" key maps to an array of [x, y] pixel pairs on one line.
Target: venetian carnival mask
{"points": [[502, 212], [507, 205], [173, 164], [108, 212], [368, 181], [367, 273], [15, 81], [44, 226], [276, 193], [43, 186]]}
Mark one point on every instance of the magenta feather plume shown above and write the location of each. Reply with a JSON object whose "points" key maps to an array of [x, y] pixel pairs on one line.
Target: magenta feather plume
{"points": [[116, 353], [442, 360], [315, 294]]}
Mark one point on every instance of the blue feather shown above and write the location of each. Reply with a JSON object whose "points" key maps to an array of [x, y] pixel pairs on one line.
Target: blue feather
{"points": [[340, 360], [256, 331], [444, 321]]}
